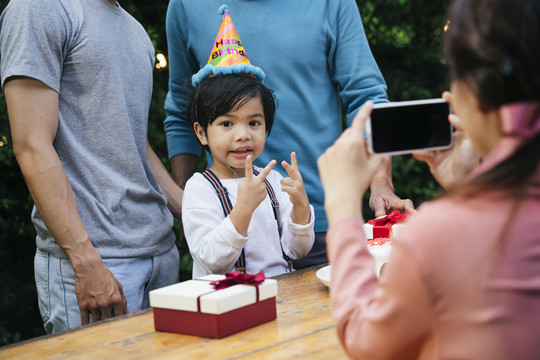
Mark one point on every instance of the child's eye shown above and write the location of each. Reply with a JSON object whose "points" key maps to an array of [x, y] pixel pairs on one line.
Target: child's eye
{"points": [[255, 123], [226, 124]]}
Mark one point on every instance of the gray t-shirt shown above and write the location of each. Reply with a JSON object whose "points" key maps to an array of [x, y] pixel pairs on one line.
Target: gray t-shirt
{"points": [[100, 61]]}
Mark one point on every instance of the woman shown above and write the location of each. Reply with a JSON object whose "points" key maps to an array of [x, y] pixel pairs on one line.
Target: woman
{"points": [[463, 279]]}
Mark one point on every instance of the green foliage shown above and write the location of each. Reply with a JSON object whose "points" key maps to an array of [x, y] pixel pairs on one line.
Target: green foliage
{"points": [[405, 37]]}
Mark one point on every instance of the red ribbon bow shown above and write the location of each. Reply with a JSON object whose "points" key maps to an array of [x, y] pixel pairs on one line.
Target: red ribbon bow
{"points": [[392, 218], [237, 277]]}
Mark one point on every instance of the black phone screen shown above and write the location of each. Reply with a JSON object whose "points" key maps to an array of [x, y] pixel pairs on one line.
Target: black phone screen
{"points": [[410, 127]]}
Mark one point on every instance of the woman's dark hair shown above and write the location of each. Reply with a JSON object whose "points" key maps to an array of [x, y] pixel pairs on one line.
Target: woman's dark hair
{"points": [[217, 95], [494, 47]]}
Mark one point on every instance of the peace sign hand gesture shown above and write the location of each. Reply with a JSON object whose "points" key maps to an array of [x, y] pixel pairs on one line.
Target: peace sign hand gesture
{"points": [[251, 192], [294, 186]]}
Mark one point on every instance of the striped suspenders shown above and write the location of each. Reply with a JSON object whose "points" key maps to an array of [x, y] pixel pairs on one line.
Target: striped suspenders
{"points": [[226, 205]]}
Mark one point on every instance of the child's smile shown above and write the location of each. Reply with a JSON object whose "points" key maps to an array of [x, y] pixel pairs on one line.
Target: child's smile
{"points": [[242, 151]]}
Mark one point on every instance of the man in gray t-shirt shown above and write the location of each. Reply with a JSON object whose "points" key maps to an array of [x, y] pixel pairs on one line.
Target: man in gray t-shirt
{"points": [[77, 77]]}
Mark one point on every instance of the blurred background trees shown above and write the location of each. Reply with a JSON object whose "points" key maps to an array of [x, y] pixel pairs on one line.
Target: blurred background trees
{"points": [[406, 39]]}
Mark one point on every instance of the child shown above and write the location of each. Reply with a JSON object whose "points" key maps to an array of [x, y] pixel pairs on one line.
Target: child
{"points": [[231, 115], [229, 220]]}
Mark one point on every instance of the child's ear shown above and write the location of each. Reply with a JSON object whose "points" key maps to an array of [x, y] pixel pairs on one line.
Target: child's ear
{"points": [[199, 131]]}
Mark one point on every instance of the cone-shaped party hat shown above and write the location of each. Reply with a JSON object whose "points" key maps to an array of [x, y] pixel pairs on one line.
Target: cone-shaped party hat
{"points": [[228, 55], [228, 49]]}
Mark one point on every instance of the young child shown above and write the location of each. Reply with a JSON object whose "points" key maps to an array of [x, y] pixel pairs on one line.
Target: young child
{"points": [[231, 115]]}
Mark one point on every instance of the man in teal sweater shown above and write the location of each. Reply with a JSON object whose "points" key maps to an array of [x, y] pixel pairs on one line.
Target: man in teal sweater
{"points": [[316, 58]]}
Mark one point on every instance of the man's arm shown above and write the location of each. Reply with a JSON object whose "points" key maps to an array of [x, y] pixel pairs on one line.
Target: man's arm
{"points": [[183, 166], [184, 149], [172, 191], [33, 116], [383, 199], [355, 70]]}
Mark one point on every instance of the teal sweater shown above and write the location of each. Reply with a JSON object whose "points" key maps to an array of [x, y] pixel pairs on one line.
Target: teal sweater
{"points": [[315, 56]]}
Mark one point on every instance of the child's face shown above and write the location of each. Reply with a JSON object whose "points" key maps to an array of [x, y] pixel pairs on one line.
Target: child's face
{"points": [[234, 136]]}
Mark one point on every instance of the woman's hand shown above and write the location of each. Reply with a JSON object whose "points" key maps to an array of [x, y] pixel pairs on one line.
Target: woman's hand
{"points": [[346, 169], [450, 167]]}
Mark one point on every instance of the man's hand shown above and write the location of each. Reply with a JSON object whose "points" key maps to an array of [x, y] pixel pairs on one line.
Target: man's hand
{"points": [[294, 186], [383, 199], [170, 188], [98, 292]]}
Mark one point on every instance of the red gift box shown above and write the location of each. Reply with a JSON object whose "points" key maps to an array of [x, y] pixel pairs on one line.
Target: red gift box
{"points": [[378, 231], [195, 307], [385, 226]]}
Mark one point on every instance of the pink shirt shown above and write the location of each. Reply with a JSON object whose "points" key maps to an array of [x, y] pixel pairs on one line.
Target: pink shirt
{"points": [[451, 289]]}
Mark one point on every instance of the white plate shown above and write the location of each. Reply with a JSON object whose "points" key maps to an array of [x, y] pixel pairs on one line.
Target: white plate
{"points": [[324, 275], [380, 253]]}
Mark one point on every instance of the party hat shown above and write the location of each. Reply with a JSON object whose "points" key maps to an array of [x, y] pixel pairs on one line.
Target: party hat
{"points": [[228, 55]]}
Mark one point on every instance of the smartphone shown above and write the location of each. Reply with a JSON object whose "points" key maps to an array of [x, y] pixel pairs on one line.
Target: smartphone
{"points": [[403, 127]]}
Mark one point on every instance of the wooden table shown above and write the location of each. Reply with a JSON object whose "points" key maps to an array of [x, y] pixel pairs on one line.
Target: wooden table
{"points": [[304, 328]]}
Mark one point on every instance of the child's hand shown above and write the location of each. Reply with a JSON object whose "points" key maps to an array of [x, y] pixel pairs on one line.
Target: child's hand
{"points": [[294, 186], [251, 192]]}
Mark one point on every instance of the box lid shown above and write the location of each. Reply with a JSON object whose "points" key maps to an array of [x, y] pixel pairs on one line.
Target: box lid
{"points": [[184, 295]]}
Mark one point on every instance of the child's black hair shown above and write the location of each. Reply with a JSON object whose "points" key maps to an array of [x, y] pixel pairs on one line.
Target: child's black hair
{"points": [[217, 95]]}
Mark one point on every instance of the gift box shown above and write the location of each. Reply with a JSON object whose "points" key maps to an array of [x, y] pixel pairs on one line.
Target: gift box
{"points": [[385, 226], [199, 307]]}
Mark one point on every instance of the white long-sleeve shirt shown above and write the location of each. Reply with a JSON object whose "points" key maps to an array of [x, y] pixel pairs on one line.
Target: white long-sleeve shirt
{"points": [[214, 243]]}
